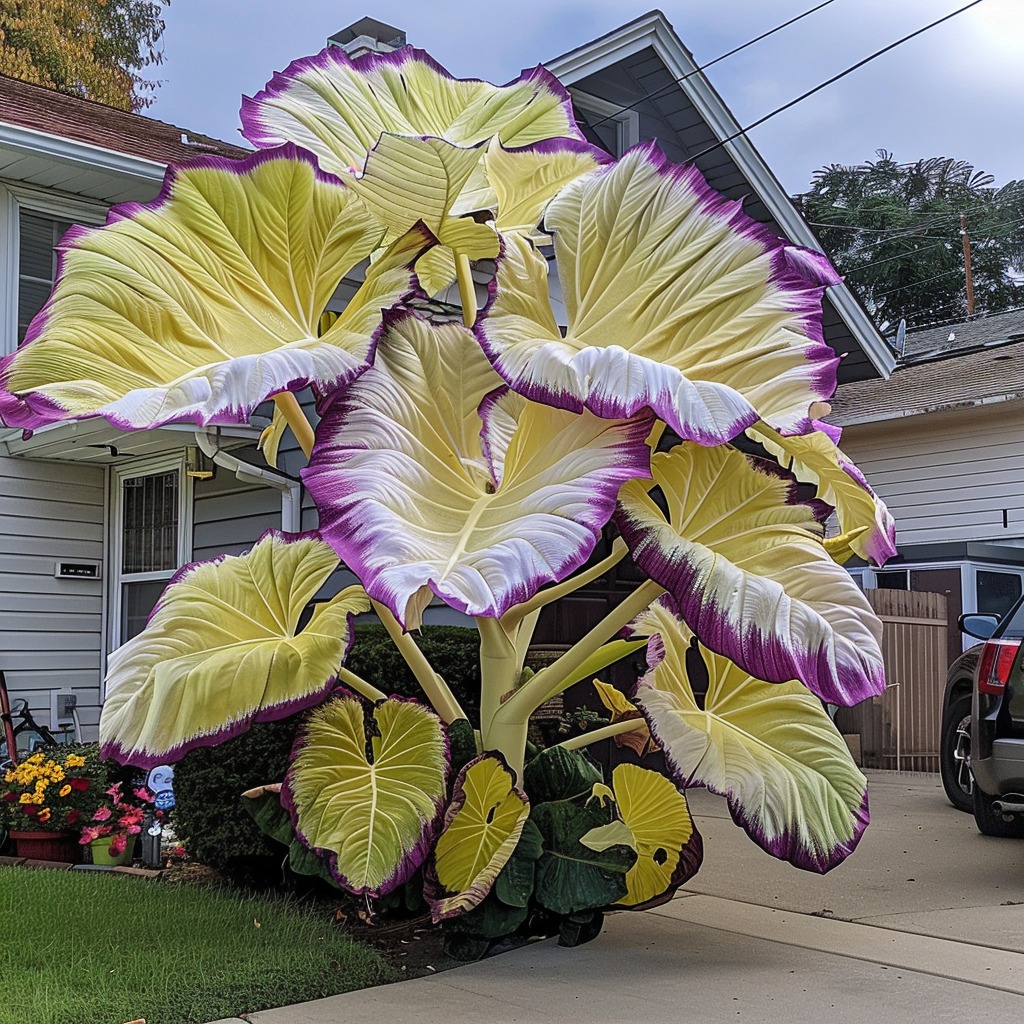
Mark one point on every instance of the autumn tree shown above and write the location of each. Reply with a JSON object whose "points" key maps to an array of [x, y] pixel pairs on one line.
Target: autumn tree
{"points": [[89, 48], [894, 231]]}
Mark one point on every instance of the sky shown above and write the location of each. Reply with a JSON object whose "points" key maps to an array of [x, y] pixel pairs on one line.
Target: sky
{"points": [[954, 91]]}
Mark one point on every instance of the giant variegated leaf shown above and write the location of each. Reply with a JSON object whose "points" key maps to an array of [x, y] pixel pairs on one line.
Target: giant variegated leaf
{"points": [[745, 564], [375, 814], [223, 649], [408, 180], [199, 305], [769, 748], [675, 300], [482, 826], [815, 458], [414, 501], [338, 107], [656, 824]]}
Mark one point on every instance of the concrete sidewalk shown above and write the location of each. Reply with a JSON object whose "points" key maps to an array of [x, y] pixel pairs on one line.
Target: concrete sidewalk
{"points": [[921, 924]]}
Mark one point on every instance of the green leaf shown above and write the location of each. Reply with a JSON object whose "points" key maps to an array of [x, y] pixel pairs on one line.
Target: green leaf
{"points": [[492, 919], [579, 928], [263, 804], [570, 877], [514, 884], [560, 774]]}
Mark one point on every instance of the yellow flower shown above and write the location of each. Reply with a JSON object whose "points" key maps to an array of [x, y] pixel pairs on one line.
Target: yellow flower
{"points": [[43, 815], [64, 790], [74, 761], [25, 798]]}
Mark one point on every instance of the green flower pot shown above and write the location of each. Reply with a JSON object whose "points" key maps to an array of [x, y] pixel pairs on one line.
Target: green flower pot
{"points": [[101, 852]]}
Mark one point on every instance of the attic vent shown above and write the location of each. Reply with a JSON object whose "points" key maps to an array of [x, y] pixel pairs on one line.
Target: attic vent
{"points": [[368, 36]]}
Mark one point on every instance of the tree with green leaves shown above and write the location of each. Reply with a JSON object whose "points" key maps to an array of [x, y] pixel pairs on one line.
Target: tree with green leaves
{"points": [[894, 230], [89, 48]]}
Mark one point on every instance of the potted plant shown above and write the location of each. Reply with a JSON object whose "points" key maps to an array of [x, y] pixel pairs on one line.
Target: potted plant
{"points": [[46, 798], [111, 832]]}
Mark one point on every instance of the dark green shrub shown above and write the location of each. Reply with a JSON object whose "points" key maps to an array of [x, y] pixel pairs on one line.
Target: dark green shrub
{"points": [[454, 651], [208, 816]]}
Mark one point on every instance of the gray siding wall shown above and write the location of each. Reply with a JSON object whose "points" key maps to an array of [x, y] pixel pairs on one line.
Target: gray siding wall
{"points": [[230, 516], [51, 629], [947, 476]]}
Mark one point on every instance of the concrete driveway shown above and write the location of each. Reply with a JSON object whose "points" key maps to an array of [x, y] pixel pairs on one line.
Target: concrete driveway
{"points": [[925, 923]]}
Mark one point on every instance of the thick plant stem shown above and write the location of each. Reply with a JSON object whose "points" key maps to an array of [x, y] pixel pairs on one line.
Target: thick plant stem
{"points": [[360, 685], [545, 684], [436, 689], [604, 733], [467, 290], [288, 405], [499, 672], [544, 597]]}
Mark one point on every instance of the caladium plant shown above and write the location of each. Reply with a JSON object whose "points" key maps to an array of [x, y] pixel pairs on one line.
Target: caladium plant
{"points": [[476, 457]]}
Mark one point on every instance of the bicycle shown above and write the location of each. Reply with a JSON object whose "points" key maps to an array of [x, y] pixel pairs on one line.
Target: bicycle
{"points": [[23, 737]]}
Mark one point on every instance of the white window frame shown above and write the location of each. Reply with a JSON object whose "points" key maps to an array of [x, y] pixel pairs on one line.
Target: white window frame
{"points": [[115, 577], [627, 122], [13, 199]]}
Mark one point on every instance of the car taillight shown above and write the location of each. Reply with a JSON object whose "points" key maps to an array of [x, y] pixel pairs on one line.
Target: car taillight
{"points": [[997, 658]]}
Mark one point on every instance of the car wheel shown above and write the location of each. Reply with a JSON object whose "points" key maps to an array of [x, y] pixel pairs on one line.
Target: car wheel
{"points": [[991, 822], [955, 754]]}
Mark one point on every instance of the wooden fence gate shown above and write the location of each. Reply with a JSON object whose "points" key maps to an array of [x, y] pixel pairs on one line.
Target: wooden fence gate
{"points": [[900, 729]]}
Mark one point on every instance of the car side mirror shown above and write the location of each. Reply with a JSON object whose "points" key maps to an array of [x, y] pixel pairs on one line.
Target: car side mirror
{"points": [[979, 626]]}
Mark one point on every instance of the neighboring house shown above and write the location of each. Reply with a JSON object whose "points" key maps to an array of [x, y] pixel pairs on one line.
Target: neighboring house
{"points": [[93, 521], [942, 441]]}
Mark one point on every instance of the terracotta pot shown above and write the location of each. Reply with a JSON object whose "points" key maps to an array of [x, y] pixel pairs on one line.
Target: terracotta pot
{"points": [[57, 846], [101, 854]]}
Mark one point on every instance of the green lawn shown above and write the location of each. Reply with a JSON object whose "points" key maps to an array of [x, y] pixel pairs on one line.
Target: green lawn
{"points": [[84, 948]]}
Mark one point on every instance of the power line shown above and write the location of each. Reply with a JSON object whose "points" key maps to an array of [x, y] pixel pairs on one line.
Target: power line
{"points": [[832, 80], [678, 81]]}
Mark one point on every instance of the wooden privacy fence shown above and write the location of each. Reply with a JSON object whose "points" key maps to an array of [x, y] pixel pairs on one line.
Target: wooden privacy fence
{"points": [[900, 729]]}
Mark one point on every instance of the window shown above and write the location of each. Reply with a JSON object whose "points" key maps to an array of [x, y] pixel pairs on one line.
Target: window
{"points": [[37, 262], [997, 591], [148, 543], [32, 222], [894, 579]]}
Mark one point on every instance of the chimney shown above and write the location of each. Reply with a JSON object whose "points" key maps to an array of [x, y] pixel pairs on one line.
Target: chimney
{"points": [[368, 36]]}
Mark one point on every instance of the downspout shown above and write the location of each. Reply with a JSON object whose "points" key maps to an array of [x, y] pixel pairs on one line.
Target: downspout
{"points": [[291, 501]]}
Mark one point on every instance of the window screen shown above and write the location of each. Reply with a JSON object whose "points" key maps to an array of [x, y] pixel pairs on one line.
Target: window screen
{"points": [[997, 591], [150, 518], [37, 263]]}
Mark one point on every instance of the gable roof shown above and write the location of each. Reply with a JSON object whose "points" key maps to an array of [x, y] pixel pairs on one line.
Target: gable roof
{"points": [[982, 364], [644, 65], [86, 148], [951, 339]]}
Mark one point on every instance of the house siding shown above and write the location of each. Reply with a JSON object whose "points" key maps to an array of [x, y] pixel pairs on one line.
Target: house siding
{"points": [[230, 516], [947, 476], [51, 629]]}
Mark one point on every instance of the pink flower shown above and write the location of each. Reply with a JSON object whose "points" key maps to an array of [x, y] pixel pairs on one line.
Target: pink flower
{"points": [[114, 791], [102, 814], [117, 845], [89, 833], [144, 795]]}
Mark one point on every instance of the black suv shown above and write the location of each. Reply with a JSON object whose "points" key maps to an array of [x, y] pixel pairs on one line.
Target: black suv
{"points": [[982, 739]]}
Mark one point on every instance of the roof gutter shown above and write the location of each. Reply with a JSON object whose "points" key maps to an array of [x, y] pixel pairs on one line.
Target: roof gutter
{"points": [[36, 143], [291, 500]]}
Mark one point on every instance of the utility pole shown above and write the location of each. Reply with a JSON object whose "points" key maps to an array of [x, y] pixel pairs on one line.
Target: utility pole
{"points": [[967, 263]]}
